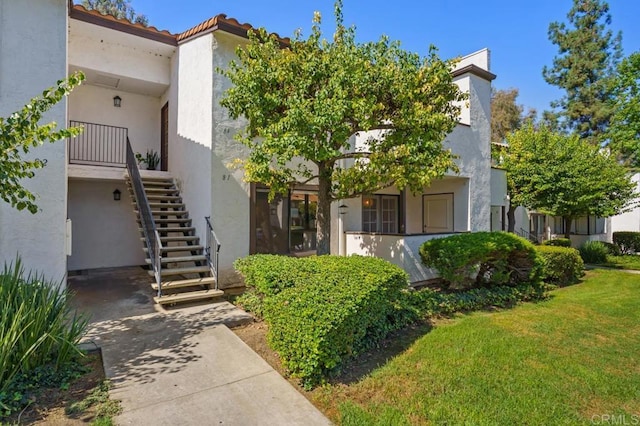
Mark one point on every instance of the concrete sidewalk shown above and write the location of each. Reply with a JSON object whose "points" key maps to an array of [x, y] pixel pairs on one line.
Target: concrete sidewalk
{"points": [[185, 367]]}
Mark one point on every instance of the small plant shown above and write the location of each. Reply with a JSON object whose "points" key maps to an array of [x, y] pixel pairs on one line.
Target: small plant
{"points": [[594, 252], [562, 265], [38, 334], [558, 242], [152, 159]]}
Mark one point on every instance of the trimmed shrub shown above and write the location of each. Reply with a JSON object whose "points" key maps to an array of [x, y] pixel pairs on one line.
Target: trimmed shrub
{"points": [[482, 259], [558, 242], [594, 252], [324, 309], [613, 249], [38, 333], [561, 265], [628, 242]]}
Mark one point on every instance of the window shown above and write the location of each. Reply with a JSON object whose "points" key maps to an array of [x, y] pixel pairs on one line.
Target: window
{"points": [[380, 213], [585, 225]]}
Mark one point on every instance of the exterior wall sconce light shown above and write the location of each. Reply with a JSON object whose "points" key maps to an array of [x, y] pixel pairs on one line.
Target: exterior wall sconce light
{"points": [[342, 209], [117, 101], [116, 195], [367, 202]]}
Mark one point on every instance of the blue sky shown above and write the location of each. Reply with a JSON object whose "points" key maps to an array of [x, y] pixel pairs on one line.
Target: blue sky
{"points": [[514, 30]]}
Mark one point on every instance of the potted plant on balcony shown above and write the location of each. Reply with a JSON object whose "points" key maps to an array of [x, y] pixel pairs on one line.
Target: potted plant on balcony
{"points": [[152, 159]]}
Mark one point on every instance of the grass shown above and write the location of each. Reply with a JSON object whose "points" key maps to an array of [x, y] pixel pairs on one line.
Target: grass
{"points": [[561, 361], [631, 261], [98, 399]]}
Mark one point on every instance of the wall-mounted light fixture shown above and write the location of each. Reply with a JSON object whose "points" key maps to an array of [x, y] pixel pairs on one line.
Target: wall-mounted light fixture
{"points": [[117, 101], [342, 208], [367, 202], [116, 195]]}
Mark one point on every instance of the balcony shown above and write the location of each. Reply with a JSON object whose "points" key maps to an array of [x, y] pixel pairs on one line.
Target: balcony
{"points": [[98, 145]]}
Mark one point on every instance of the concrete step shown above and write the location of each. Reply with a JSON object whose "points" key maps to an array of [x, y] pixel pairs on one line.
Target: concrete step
{"points": [[161, 191], [173, 228], [180, 259], [170, 249], [167, 221], [176, 239], [154, 197], [187, 297], [166, 212], [156, 179], [194, 282], [156, 205], [182, 271]]}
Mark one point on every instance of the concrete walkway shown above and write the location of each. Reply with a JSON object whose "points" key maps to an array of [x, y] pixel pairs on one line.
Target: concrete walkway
{"points": [[185, 367]]}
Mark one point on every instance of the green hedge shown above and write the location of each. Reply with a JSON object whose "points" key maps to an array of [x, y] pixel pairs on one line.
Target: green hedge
{"points": [[325, 308], [558, 242], [594, 252], [482, 259], [628, 242], [561, 265]]}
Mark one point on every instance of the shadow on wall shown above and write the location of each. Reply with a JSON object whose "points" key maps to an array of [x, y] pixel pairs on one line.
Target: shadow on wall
{"points": [[401, 250]]}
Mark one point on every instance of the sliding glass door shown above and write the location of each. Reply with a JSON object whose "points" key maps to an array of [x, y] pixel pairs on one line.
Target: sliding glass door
{"points": [[287, 224]]}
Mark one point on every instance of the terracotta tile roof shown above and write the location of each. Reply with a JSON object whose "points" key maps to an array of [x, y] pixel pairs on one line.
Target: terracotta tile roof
{"points": [[222, 23], [217, 23], [93, 16]]}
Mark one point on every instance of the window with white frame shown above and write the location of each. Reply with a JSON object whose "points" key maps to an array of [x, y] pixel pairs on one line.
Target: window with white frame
{"points": [[380, 213]]}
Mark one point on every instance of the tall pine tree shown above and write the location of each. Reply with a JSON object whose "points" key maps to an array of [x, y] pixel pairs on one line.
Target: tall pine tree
{"points": [[585, 64], [118, 8]]}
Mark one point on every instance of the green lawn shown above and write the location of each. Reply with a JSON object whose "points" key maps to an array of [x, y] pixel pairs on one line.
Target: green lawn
{"points": [[561, 361], [624, 262]]}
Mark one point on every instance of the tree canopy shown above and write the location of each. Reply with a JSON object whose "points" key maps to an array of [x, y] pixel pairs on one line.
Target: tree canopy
{"points": [[507, 116], [20, 132], [121, 9], [588, 53], [623, 135], [564, 175], [307, 99]]}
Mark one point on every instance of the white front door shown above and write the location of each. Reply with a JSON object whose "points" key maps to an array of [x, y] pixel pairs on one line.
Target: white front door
{"points": [[437, 211]]}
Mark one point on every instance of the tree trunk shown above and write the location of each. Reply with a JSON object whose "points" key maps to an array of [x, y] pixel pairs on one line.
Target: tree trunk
{"points": [[568, 221], [511, 218], [323, 217]]}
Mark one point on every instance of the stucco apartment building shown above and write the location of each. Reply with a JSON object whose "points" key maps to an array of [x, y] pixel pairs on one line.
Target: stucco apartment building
{"points": [[152, 90]]}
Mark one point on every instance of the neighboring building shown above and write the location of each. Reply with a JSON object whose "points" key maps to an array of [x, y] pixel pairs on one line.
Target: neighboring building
{"points": [[158, 91], [629, 221]]}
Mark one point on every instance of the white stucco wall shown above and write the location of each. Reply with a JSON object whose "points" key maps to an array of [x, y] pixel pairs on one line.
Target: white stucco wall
{"points": [[190, 103], [138, 113], [629, 221], [115, 53], [31, 61], [403, 251], [104, 231], [231, 194]]}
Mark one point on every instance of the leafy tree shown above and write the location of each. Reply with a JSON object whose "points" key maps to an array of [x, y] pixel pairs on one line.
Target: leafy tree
{"points": [[624, 132], [20, 132], [563, 175], [306, 100], [588, 54], [120, 9], [506, 117], [506, 114]]}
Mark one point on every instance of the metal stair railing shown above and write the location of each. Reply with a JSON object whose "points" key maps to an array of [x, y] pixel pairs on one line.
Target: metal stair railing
{"points": [[527, 235], [151, 235], [212, 257]]}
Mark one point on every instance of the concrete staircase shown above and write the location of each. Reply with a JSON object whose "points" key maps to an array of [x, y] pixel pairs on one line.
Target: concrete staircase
{"points": [[186, 275]]}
